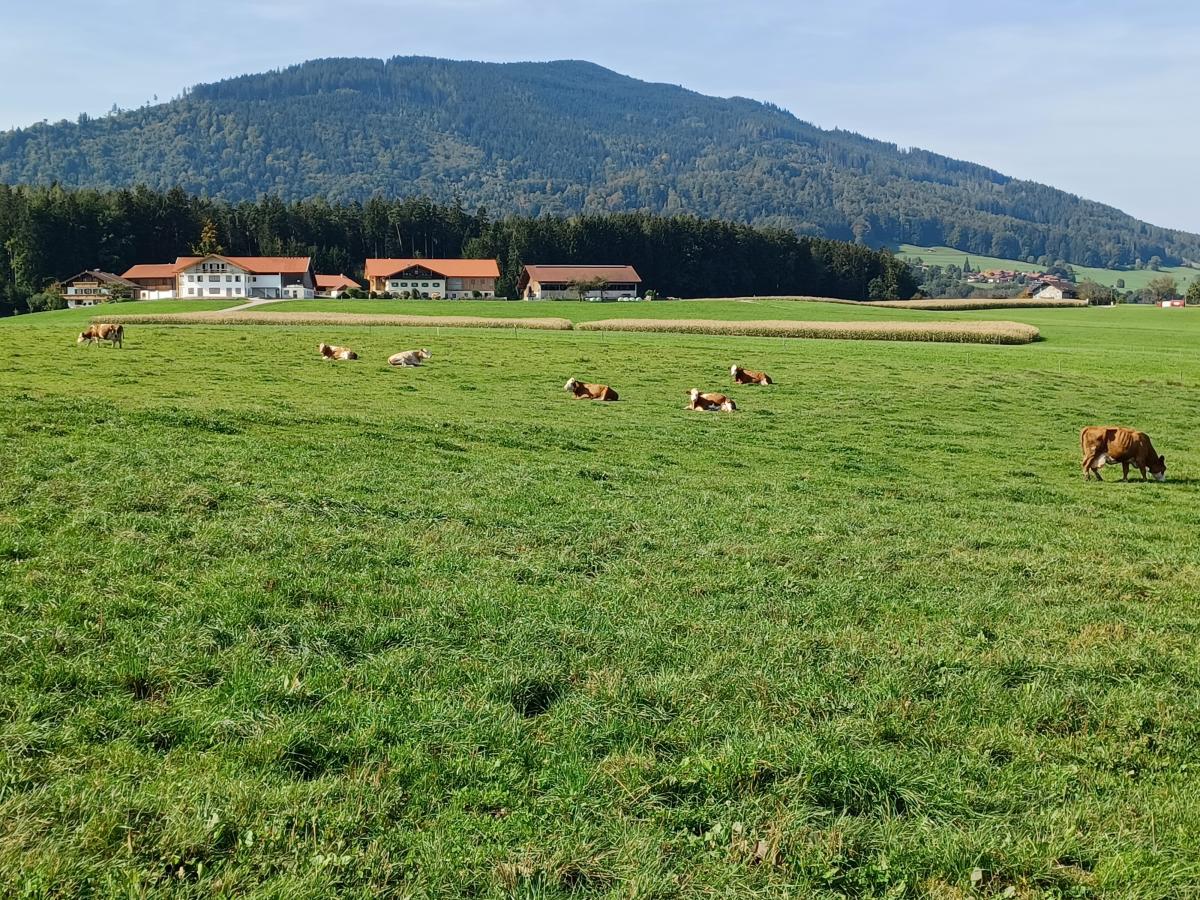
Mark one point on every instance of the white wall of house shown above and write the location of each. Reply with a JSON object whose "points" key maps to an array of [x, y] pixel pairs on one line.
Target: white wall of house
{"points": [[434, 287], [78, 300], [298, 292], [536, 292], [144, 294], [212, 278]]}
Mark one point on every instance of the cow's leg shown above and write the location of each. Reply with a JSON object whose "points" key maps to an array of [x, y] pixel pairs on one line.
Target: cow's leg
{"points": [[1124, 470], [1143, 470]]}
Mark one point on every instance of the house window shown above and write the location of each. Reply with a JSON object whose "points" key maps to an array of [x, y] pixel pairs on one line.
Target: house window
{"points": [[228, 278], [214, 277], [424, 284], [191, 292], [191, 278], [237, 278]]}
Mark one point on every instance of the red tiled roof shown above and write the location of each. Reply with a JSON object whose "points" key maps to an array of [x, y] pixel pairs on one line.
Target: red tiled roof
{"points": [[449, 268], [257, 265], [611, 274], [336, 282], [151, 270]]}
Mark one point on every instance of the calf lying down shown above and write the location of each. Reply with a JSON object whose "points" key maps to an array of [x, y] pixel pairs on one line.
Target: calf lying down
{"points": [[331, 352], [581, 390], [708, 402], [749, 376], [408, 357]]}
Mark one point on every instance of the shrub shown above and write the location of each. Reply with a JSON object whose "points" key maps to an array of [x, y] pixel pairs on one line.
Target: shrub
{"points": [[46, 300]]}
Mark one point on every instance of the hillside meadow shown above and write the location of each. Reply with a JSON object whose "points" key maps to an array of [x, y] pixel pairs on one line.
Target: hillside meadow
{"points": [[1135, 279], [272, 626]]}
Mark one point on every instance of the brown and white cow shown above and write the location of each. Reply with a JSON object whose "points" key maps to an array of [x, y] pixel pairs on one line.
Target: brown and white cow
{"points": [[705, 402], [581, 390], [102, 331], [1104, 444], [408, 357], [331, 352], [749, 376]]}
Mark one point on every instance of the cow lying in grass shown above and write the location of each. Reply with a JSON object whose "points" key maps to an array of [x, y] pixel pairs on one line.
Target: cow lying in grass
{"points": [[709, 402], [1104, 444], [581, 390], [115, 334], [330, 352], [408, 358], [749, 376]]}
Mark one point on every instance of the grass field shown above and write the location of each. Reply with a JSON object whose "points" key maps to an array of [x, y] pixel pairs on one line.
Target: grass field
{"points": [[1134, 280], [272, 627]]}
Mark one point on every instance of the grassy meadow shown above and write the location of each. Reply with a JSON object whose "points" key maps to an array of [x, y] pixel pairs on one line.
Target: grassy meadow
{"points": [[1134, 280], [276, 627]]}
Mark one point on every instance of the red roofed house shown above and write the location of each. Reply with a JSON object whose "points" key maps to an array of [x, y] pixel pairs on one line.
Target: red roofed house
{"points": [[433, 279], [565, 282], [334, 285], [226, 276], [154, 281]]}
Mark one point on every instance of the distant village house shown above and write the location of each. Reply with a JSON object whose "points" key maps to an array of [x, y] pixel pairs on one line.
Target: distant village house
{"points": [[569, 282], [433, 279], [334, 286], [92, 286]]}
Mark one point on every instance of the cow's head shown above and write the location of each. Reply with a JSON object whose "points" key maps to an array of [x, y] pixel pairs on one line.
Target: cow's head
{"points": [[84, 337], [570, 385], [323, 349], [694, 395], [424, 354], [733, 370], [1158, 469]]}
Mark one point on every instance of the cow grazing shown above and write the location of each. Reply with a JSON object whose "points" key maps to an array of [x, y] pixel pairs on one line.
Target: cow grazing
{"points": [[408, 358], [1104, 444], [749, 376], [93, 334], [700, 402], [330, 352], [581, 390]]}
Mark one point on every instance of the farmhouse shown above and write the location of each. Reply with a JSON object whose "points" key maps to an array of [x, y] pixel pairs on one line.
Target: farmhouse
{"points": [[433, 279], [1055, 291], [92, 286], [154, 281], [335, 285], [574, 281], [270, 277]]}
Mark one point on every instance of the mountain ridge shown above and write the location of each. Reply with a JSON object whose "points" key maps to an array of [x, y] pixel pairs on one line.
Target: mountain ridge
{"points": [[565, 137]]}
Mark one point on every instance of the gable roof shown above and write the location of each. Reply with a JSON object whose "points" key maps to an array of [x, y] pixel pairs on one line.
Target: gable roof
{"points": [[336, 282], [151, 270], [102, 277], [569, 273], [256, 265], [448, 268]]}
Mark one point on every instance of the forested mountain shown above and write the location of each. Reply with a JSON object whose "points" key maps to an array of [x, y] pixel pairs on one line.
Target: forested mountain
{"points": [[562, 138], [51, 233]]}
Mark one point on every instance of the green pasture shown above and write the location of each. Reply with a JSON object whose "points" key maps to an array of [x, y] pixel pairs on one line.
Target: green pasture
{"points": [[1134, 280], [276, 627]]}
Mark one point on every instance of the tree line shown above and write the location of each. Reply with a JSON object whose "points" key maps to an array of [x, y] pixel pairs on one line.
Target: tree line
{"points": [[51, 233]]}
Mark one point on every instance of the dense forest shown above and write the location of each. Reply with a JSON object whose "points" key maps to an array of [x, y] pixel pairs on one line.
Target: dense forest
{"points": [[564, 138], [50, 233]]}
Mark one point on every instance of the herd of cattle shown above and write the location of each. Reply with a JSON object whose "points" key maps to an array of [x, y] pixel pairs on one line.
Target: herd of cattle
{"points": [[1101, 444]]}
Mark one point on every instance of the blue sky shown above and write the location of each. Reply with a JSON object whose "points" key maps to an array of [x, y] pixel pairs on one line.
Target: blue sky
{"points": [[1098, 98]]}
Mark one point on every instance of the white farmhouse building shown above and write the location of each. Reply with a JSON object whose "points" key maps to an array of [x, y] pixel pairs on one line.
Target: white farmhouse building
{"points": [[199, 277]]}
